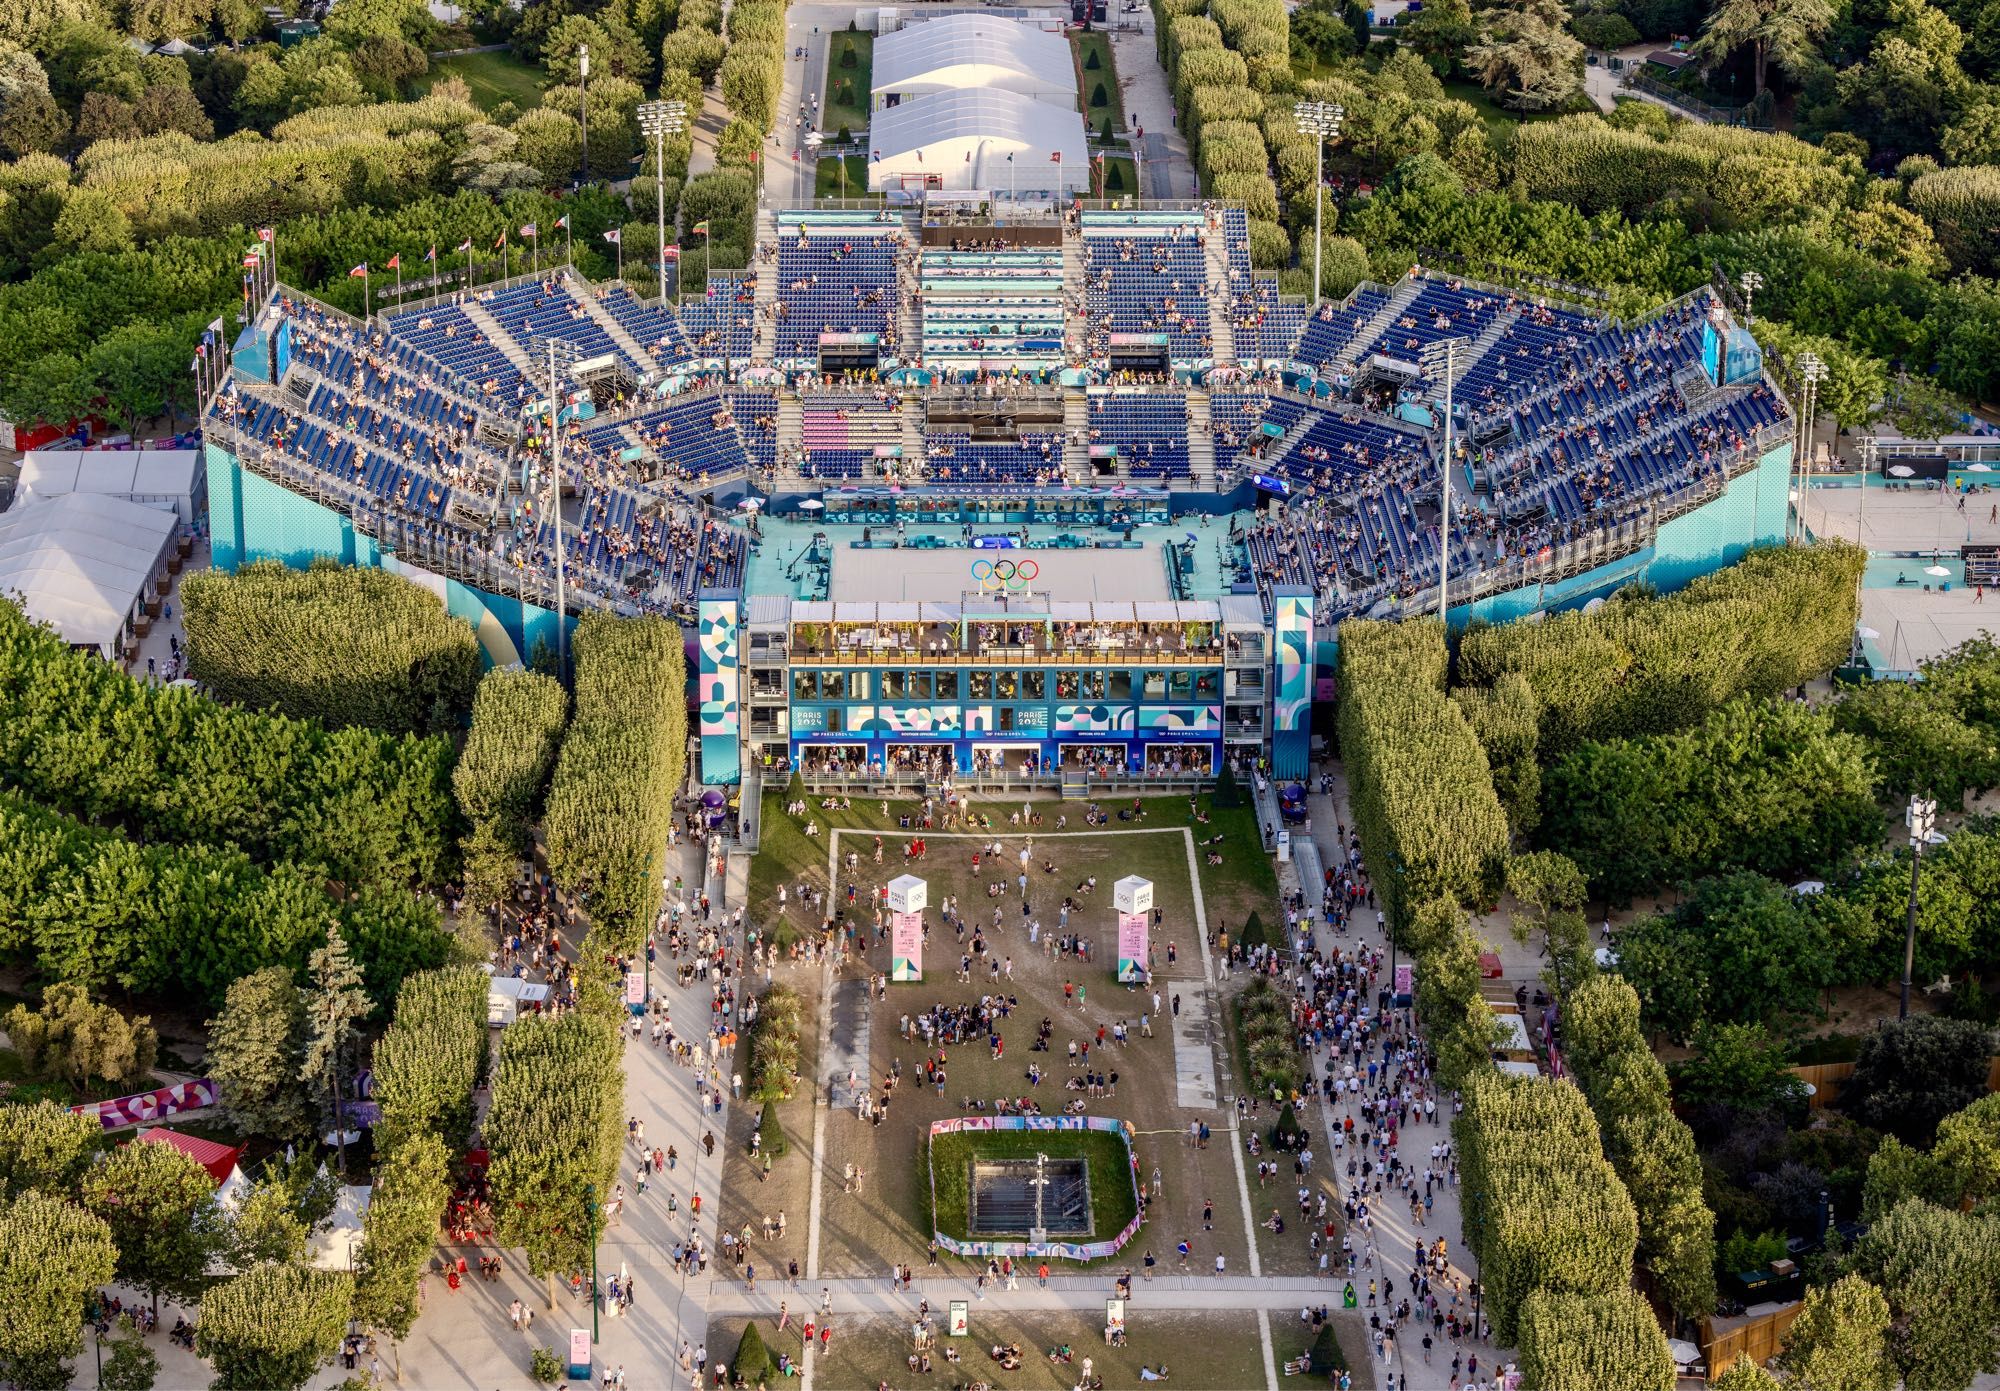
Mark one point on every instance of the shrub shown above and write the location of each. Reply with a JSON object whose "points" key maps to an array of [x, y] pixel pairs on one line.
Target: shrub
{"points": [[771, 1134], [753, 1359], [774, 1045], [1913, 1073], [545, 1366]]}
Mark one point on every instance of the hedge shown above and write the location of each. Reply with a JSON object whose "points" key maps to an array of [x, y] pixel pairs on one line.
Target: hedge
{"points": [[87, 904], [1450, 1004], [1763, 785], [517, 725], [611, 801], [1776, 619], [360, 807], [1255, 192], [1543, 1211], [1570, 1343], [1650, 1147], [1419, 785], [428, 1061], [341, 644], [775, 1049]]}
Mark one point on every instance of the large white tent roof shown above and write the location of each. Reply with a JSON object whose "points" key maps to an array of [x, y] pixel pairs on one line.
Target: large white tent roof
{"points": [[937, 133], [79, 561], [973, 50]]}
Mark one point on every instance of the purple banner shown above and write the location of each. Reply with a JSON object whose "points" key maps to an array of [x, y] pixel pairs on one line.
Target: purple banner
{"points": [[145, 1108]]}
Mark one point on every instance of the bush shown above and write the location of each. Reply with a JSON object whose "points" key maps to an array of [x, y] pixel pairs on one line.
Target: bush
{"points": [[339, 644], [753, 1360], [1913, 1073], [774, 1045], [545, 1366], [771, 1135], [517, 725], [1228, 793]]}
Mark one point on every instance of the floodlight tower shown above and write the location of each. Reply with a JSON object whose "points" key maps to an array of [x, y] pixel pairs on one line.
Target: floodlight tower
{"points": [[1321, 120], [660, 119]]}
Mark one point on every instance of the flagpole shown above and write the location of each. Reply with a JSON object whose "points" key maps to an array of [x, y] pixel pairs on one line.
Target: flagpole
{"points": [[367, 297], [569, 246], [620, 244], [503, 257], [399, 277]]}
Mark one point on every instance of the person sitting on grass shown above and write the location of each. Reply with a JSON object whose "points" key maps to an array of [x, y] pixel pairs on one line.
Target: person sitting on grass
{"points": [[1148, 1374]]}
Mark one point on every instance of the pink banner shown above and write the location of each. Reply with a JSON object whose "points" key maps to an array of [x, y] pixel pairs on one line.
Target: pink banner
{"points": [[144, 1108], [906, 950], [1134, 930]]}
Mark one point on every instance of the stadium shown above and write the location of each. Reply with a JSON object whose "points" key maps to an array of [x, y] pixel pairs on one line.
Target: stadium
{"points": [[1067, 497]]}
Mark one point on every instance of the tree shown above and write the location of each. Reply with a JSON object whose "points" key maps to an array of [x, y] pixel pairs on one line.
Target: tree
{"points": [[130, 1365], [160, 1205], [1941, 1273], [1840, 1340], [1734, 1064], [91, 221], [1528, 53], [1913, 1073], [337, 1003], [430, 1059], [31, 122], [1579, 1343], [156, 21], [165, 109], [76, 1040], [1784, 32], [256, 1047], [400, 1233], [44, 1145], [266, 1228], [1442, 33], [273, 1326], [753, 1360], [52, 1255]]}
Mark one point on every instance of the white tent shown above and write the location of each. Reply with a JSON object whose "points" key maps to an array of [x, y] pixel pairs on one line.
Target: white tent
{"points": [[339, 1246], [964, 140], [80, 562], [505, 995], [165, 478], [961, 51]]}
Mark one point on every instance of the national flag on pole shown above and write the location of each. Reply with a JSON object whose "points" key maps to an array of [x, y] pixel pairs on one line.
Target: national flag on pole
{"points": [[264, 233], [528, 230], [701, 227], [1010, 156], [500, 240], [250, 263], [614, 236], [200, 352], [672, 253], [464, 246], [215, 324], [1055, 156], [359, 272], [394, 262], [431, 255], [563, 221], [195, 366]]}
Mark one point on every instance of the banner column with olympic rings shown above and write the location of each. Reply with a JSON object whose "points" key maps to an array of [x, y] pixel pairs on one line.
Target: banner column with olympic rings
{"points": [[1004, 576], [908, 896], [1132, 899]]}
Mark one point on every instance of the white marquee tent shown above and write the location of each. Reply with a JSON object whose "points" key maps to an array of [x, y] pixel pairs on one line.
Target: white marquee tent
{"points": [[964, 51], [962, 140], [80, 562], [167, 478]]}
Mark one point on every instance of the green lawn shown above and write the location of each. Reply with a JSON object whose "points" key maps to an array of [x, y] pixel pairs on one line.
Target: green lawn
{"points": [[1112, 1203], [1087, 47], [1500, 121], [826, 177], [850, 69], [494, 78], [1118, 178]]}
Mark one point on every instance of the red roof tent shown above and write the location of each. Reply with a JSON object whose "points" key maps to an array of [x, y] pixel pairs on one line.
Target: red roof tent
{"points": [[1489, 965], [219, 1159]]}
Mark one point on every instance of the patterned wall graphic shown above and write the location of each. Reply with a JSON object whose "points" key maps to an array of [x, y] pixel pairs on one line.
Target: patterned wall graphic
{"points": [[1093, 719], [1180, 719], [1291, 703], [721, 755]]}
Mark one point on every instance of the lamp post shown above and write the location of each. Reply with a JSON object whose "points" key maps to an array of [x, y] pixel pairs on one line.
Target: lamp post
{"points": [[583, 105], [1812, 371], [590, 1207], [1750, 283], [1921, 818], [1322, 121], [1440, 361], [562, 356], [660, 119]]}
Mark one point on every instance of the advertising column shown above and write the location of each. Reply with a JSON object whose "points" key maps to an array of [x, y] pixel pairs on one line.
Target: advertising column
{"points": [[1132, 898], [908, 896]]}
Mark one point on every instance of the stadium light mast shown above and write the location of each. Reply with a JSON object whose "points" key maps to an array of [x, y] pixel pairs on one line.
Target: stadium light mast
{"points": [[1812, 371], [1321, 120], [1440, 363], [1750, 283], [583, 104], [562, 357], [1921, 818], [660, 119]]}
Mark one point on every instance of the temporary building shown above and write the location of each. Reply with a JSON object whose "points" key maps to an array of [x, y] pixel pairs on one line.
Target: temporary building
{"points": [[980, 138], [958, 52], [219, 1159], [507, 996], [339, 1245], [172, 479], [80, 562]]}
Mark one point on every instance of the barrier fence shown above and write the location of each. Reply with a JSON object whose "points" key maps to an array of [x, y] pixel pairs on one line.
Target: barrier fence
{"points": [[1046, 1250]]}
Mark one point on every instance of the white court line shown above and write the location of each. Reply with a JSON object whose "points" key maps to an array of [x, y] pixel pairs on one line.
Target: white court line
{"points": [[1264, 1337]]}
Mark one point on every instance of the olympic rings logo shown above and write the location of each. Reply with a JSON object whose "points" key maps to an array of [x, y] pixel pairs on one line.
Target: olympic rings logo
{"points": [[1005, 574]]}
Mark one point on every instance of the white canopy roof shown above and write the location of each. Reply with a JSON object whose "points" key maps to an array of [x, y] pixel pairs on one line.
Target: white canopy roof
{"points": [[974, 50], [338, 1246], [79, 562], [964, 138]]}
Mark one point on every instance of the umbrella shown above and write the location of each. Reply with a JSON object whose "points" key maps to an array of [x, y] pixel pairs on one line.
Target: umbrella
{"points": [[1809, 886], [1869, 633], [1594, 605], [1937, 570], [1979, 468], [1606, 958], [751, 504], [1902, 471], [1683, 1351], [811, 504]]}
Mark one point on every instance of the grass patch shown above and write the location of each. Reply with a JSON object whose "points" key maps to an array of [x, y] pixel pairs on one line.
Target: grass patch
{"points": [[826, 176], [493, 78], [1112, 1203], [1114, 176], [850, 73], [1089, 47]]}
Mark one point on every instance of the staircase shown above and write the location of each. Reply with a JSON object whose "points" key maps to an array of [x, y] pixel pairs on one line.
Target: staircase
{"points": [[1201, 439], [1076, 433], [910, 307], [1076, 311], [914, 462], [1488, 336], [627, 344], [791, 427], [501, 339], [1277, 452], [763, 329], [1403, 297], [1221, 321]]}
